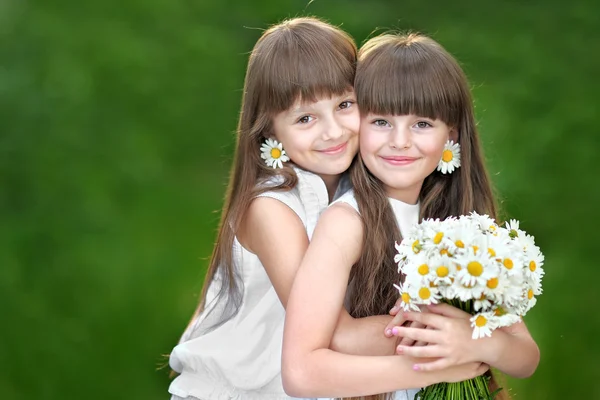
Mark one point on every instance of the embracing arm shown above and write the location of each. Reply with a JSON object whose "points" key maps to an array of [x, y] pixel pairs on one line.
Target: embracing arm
{"points": [[309, 367], [273, 232], [512, 350]]}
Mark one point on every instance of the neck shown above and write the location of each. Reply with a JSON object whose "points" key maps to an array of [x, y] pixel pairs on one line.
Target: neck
{"points": [[406, 195], [331, 183]]}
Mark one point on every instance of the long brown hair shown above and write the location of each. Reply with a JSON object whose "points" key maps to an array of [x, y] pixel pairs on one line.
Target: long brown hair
{"points": [[400, 75], [298, 59]]}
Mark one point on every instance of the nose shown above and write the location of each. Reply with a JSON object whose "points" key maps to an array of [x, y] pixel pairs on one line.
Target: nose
{"points": [[400, 138], [333, 130]]}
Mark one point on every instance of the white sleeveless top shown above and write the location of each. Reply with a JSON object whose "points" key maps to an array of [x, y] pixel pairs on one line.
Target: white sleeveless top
{"points": [[241, 359], [407, 215]]}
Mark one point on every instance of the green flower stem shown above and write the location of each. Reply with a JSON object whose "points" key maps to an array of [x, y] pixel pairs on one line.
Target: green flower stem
{"points": [[472, 389]]}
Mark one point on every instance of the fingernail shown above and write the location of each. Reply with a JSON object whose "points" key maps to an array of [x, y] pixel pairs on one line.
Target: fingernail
{"points": [[388, 332], [395, 330], [416, 367], [399, 349]]}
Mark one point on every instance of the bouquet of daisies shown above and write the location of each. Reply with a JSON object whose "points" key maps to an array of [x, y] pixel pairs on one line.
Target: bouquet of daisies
{"points": [[492, 272]]}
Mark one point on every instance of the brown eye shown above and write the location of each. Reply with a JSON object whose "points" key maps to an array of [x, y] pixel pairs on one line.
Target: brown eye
{"points": [[305, 119]]}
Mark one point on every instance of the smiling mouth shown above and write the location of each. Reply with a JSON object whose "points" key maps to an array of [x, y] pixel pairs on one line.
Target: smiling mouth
{"points": [[398, 160], [336, 149]]}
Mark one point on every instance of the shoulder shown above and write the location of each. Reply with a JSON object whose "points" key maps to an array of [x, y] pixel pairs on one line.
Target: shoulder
{"points": [[267, 217], [340, 222], [347, 198]]}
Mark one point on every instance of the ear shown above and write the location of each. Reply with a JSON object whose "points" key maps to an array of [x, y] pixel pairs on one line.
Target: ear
{"points": [[453, 135]]}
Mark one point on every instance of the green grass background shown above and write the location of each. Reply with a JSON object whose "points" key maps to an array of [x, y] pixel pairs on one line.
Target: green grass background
{"points": [[116, 132]]}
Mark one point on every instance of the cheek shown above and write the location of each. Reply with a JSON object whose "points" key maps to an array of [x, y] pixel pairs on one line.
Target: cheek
{"points": [[368, 142], [433, 148], [351, 122]]}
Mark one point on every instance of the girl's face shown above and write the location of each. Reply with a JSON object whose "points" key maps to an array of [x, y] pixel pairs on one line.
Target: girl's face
{"points": [[321, 136], [402, 150]]}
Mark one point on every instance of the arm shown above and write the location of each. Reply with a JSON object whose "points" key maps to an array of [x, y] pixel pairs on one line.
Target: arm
{"points": [[511, 350], [309, 367], [273, 232]]}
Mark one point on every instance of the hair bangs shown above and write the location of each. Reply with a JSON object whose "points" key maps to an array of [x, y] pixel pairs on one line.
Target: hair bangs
{"points": [[306, 64], [399, 76]]}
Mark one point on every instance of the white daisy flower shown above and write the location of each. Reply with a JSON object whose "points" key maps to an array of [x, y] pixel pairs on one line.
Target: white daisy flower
{"points": [[442, 269], [486, 223], [475, 267], [513, 229], [450, 158], [426, 293], [533, 265], [273, 153], [407, 303], [483, 324], [530, 301], [482, 303], [505, 319]]}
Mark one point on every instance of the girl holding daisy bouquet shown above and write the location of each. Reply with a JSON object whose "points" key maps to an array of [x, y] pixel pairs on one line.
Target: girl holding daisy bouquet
{"points": [[297, 135], [420, 158]]}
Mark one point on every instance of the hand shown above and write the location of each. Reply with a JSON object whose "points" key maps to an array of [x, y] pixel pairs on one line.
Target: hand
{"points": [[462, 372], [399, 320], [449, 338]]}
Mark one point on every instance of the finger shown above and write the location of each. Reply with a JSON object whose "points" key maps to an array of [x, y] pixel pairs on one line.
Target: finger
{"points": [[483, 368], [427, 319], [396, 321], [422, 351], [448, 311], [426, 335], [420, 342], [432, 366], [406, 342], [396, 307]]}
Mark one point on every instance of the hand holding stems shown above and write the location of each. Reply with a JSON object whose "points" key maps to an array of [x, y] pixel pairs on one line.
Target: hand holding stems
{"points": [[448, 338]]}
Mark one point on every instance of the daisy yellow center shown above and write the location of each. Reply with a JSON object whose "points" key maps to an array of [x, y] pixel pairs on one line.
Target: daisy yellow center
{"points": [[458, 267], [508, 263], [445, 252], [492, 283], [438, 237], [406, 298], [491, 252], [447, 156], [475, 248], [416, 246], [475, 268], [482, 297], [532, 266], [499, 312], [423, 269], [275, 153], [480, 321], [459, 243], [442, 271], [424, 293], [492, 228], [431, 284], [530, 294]]}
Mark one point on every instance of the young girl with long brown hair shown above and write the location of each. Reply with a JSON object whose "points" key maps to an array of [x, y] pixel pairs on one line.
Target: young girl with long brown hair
{"points": [[415, 106], [297, 134]]}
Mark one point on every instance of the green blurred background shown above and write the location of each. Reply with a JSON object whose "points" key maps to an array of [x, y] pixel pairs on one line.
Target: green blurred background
{"points": [[116, 133]]}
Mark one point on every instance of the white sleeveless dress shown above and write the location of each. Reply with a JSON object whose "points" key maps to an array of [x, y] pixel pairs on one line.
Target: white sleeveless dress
{"points": [[241, 359], [407, 215]]}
